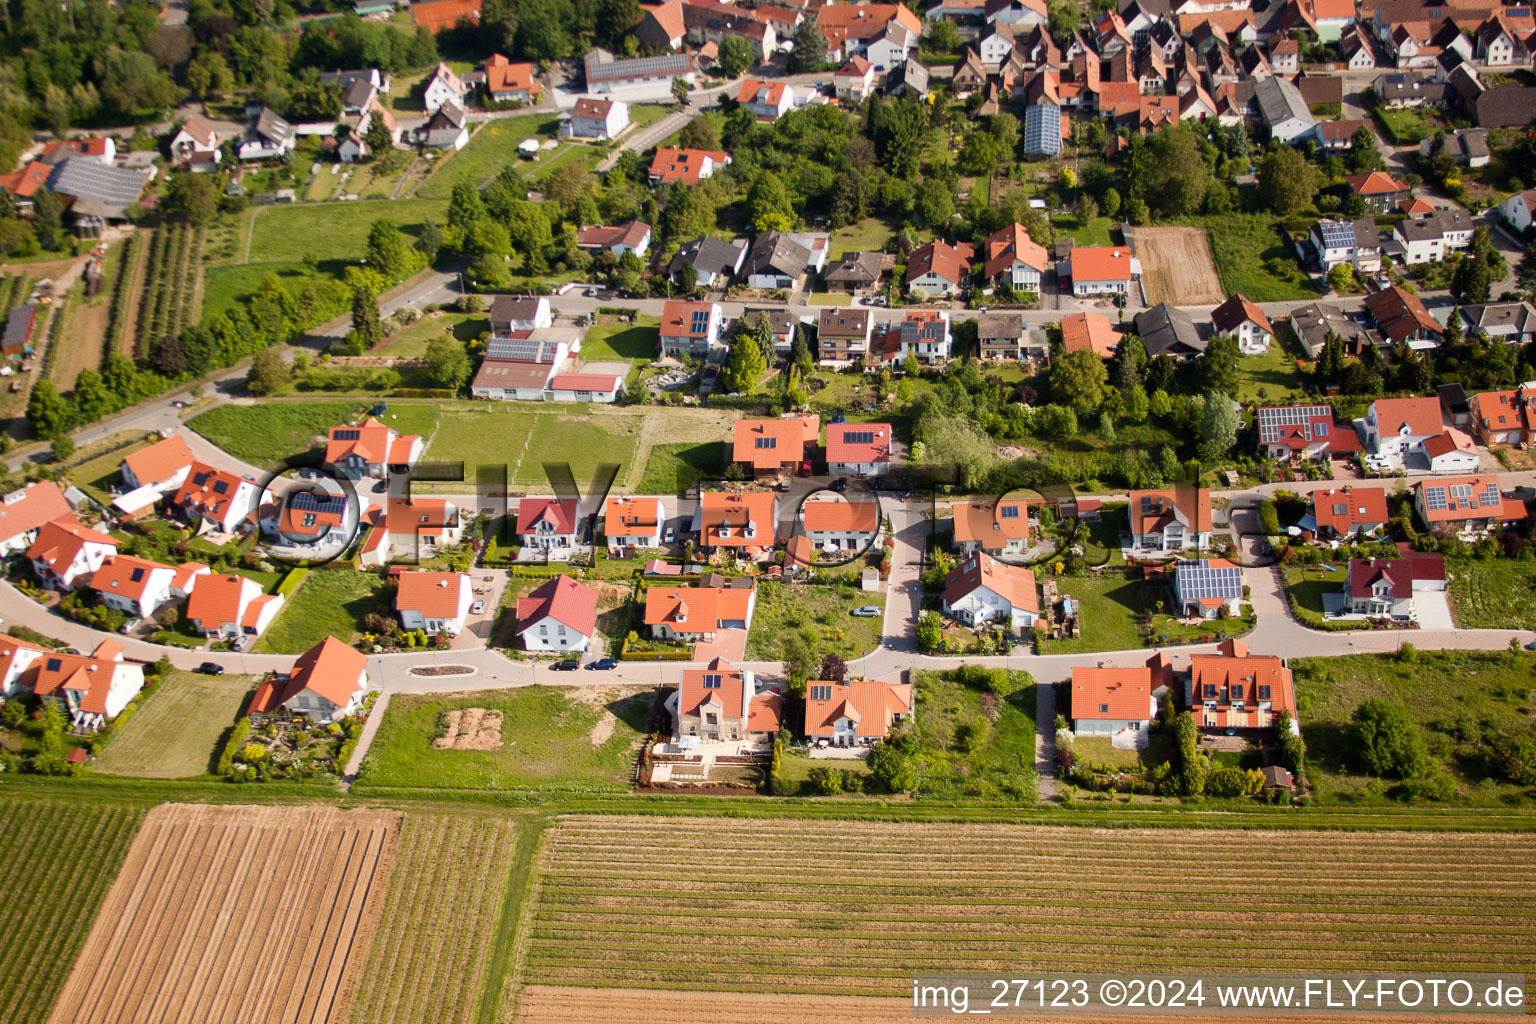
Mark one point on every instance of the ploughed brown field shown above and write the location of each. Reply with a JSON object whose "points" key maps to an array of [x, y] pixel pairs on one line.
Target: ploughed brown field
{"points": [[1176, 267], [787, 918], [234, 915]]}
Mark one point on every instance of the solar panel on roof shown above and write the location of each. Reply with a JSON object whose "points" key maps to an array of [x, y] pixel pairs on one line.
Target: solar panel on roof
{"points": [[766, 442], [1434, 498], [1337, 234], [859, 437], [711, 682], [821, 693], [136, 575], [1010, 511], [1491, 495], [346, 434]]}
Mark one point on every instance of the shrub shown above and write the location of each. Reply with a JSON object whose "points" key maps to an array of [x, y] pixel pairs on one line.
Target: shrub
{"points": [[237, 737], [826, 781], [1384, 739], [253, 753], [1515, 759]]}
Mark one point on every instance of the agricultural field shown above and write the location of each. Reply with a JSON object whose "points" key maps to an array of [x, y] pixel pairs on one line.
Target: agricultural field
{"points": [[49, 901], [127, 289], [551, 739], [441, 910], [327, 603], [1492, 593], [169, 946], [273, 433], [820, 614], [1176, 267], [178, 729], [1477, 700], [171, 296], [81, 323], [1253, 255], [887, 901]]}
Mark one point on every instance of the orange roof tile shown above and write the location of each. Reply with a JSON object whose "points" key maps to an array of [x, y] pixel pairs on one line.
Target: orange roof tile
{"points": [[220, 599], [564, 599], [436, 15], [30, 507], [721, 510], [434, 595], [1012, 583], [991, 522], [1344, 508], [161, 460], [632, 517], [1101, 263], [59, 542], [1112, 694], [846, 443], [1092, 331], [1151, 511], [819, 515], [768, 444], [870, 704], [126, 576]]}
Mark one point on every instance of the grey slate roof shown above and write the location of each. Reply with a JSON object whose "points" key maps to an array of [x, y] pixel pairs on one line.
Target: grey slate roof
{"points": [[1279, 101], [601, 66], [776, 252], [707, 255], [100, 189], [1168, 329]]}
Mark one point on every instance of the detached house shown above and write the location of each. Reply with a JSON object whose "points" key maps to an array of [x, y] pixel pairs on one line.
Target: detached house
{"points": [[511, 82], [1002, 336], [1233, 690], [1092, 331], [714, 262], [689, 166], [690, 328], [696, 614], [939, 269], [1505, 417], [982, 590], [1107, 701], [616, 240], [434, 602], [1345, 512], [559, 616], [746, 523], [854, 80], [720, 704], [1168, 330], [410, 528], [195, 145], [1245, 321], [853, 712], [1397, 426], [374, 449], [548, 525], [135, 586], [856, 273], [1380, 190], [24, 511], [1172, 520], [511, 313], [859, 449], [1305, 431], [630, 523], [781, 260], [772, 447], [768, 101], [925, 334], [215, 498], [834, 524], [231, 606], [90, 689], [1015, 259], [996, 528], [1385, 587], [1511, 322], [443, 89], [66, 553], [1402, 319], [1469, 504], [1432, 236], [269, 137], [1204, 588], [328, 683], [593, 118], [843, 335], [1101, 270]]}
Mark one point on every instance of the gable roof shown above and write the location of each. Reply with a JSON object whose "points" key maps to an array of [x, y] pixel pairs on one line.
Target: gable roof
{"points": [[1374, 183], [1100, 263], [681, 318], [1152, 511], [1011, 245], [1092, 331], [29, 507], [435, 595], [1234, 675], [219, 598], [161, 460], [719, 684], [1167, 328], [776, 252], [1364, 574], [1399, 313], [1110, 694], [1012, 583], [950, 262], [1455, 498], [768, 444], [697, 609], [685, 165], [737, 511], [202, 131], [560, 515], [858, 442], [1231, 314], [330, 669], [632, 517], [563, 599], [59, 542], [1420, 415], [869, 703], [128, 577], [991, 522], [1343, 508], [707, 255], [832, 514], [600, 237]]}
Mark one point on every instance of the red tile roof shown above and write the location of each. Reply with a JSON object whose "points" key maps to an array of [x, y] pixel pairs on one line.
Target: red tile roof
{"points": [[1010, 245], [1188, 505], [1400, 573], [846, 444], [435, 595], [128, 577], [219, 599], [567, 601], [59, 542], [1101, 263], [208, 491], [1237, 676], [696, 609], [560, 515], [724, 508], [1092, 331], [632, 517], [503, 75], [24, 183], [1012, 583], [1374, 183], [1112, 694], [330, 668], [819, 515], [685, 165], [755, 90], [598, 237], [730, 690], [1420, 415], [30, 507], [950, 262], [595, 383], [768, 444], [1342, 509], [161, 460], [869, 703], [370, 442], [419, 516], [984, 521], [681, 318], [1465, 497]]}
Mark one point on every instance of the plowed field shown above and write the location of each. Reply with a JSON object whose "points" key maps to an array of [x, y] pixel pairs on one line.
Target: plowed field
{"points": [[234, 915], [1176, 267]]}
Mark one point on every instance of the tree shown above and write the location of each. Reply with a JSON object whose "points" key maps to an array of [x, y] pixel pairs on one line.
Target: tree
{"points": [[1471, 281], [429, 240], [893, 767], [1086, 209], [735, 56], [1077, 379], [943, 37], [1005, 127], [899, 134], [936, 200], [47, 218], [680, 89], [464, 205], [447, 362], [1515, 758], [267, 374], [1137, 405], [1218, 365], [390, 252], [208, 76], [380, 140], [1191, 767], [193, 198], [1218, 427], [981, 153], [745, 366], [1384, 739], [1329, 368], [1363, 155], [61, 448], [768, 204], [1525, 276], [1287, 181], [833, 668], [1110, 204], [47, 411], [1169, 172], [809, 50], [930, 631], [700, 132], [365, 319]]}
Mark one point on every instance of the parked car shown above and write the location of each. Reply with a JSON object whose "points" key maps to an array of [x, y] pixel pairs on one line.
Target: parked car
{"points": [[568, 665], [669, 536], [209, 668], [477, 608], [840, 484], [603, 664], [241, 643], [866, 611]]}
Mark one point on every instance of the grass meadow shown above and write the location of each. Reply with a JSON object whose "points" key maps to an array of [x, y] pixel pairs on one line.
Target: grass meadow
{"points": [[177, 731]]}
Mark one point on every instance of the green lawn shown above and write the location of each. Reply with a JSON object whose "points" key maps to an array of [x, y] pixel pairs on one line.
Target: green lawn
{"points": [[1404, 127], [552, 739], [973, 740], [1101, 749], [1492, 593], [227, 284], [673, 468], [612, 341], [332, 231], [1463, 702], [411, 342], [1109, 606], [1253, 255], [524, 438], [178, 728], [1271, 377], [868, 235], [275, 432], [829, 299], [327, 603], [96, 476], [1095, 232], [819, 615], [1307, 584], [492, 147]]}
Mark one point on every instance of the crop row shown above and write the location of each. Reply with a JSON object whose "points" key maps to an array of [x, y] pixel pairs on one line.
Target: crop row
{"points": [[428, 956], [14, 289], [59, 860], [117, 313], [170, 282]]}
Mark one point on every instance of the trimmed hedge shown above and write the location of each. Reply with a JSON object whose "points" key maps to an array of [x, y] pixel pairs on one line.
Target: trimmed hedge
{"points": [[237, 737]]}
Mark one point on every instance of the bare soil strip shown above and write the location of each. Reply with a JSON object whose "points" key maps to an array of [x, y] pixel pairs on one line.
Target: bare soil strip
{"points": [[1176, 267], [234, 915]]}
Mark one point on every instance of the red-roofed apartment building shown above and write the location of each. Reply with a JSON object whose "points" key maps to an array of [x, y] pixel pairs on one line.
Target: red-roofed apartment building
{"points": [[1236, 690], [66, 553], [136, 586], [231, 606], [1469, 504], [719, 703], [24, 511], [549, 525], [630, 523], [771, 447], [557, 616], [833, 524], [1385, 587], [981, 590], [217, 498], [696, 614], [91, 689], [1350, 511], [994, 528], [1172, 520], [434, 602], [688, 166], [328, 683], [746, 523], [163, 465], [370, 449], [859, 449], [854, 712], [1107, 701]]}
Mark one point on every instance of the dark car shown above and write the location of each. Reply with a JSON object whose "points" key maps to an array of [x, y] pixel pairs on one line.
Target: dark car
{"points": [[840, 484], [208, 668], [603, 664], [568, 665]]}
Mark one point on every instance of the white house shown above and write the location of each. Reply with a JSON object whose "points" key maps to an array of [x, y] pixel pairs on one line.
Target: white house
{"points": [[1015, 258], [1107, 701], [371, 449], [1433, 236], [216, 498], [443, 88], [983, 590], [853, 712], [15, 657], [690, 328], [630, 523], [25, 510], [510, 313], [231, 606], [1397, 426], [434, 602], [939, 269], [768, 101], [926, 334], [91, 688], [328, 682], [854, 80], [859, 449], [269, 137], [996, 46], [547, 525], [66, 553], [1206, 587], [1171, 520], [196, 144], [1383, 587], [1098, 270], [991, 527], [1342, 241], [616, 239], [593, 118], [1282, 109], [1519, 209], [601, 388], [163, 465], [136, 586], [559, 616], [832, 524], [1246, 322]]}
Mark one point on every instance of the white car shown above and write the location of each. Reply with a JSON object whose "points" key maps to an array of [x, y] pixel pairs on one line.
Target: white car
{"points": [[477, 608]]}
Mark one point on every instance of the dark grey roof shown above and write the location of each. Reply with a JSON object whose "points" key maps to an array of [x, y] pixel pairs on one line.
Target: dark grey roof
{"points": [[98, 188], [357, 93], [1279, 101], [1397, 86], [1367, 235], [781, 320], [1453, 396], [1168, 329], [1000, 325], [506, 308], [271, 127], [709, 255], [1434, 225], [1312, 324], [1505, 106], [1500, 318], [776, 252], [448, 118], [601, 66], [857, 268], [908, 74]]}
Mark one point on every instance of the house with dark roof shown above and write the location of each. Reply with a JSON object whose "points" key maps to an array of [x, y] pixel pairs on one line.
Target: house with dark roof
{"points": [[856, 273], [604, 72], [445, 129], [1000, 336], [1168, 330], [782, 259], [842, 335], [1206, 588], [1406, 89], [1313, 323], [1427, 237], [1385, 587], [268, 137], [1467, 146], [94, 189], [1513, 323], [1401, 317], [714, 262], [1245, 321]]}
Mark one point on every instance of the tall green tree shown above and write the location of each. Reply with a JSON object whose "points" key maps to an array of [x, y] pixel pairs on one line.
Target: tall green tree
{"points": [[193, 198], [1218, 427], [365, 319], [899, 136], [1384, 739], [47, 411], [768, 205], [1287, 181], [267, 374], [447, 362], [809, 50], [1077, 379], [390, 252], [745, 366], [735, 56], [1218, 365]]}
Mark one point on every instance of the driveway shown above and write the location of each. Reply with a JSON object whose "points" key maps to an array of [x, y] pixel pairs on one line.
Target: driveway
{"points": [[1434, 608]]}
